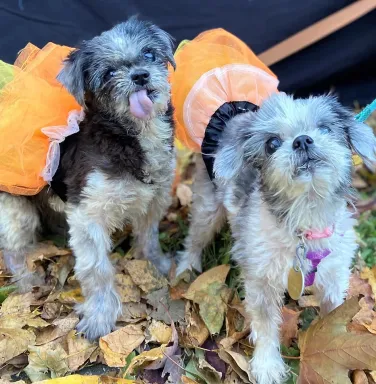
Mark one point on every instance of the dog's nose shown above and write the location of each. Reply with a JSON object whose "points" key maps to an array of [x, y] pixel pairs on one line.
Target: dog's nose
{"points": [[302, 142], [140, 76]]}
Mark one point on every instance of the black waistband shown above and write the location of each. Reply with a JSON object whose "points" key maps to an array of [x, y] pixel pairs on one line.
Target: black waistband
{"points": [[215, 128]]}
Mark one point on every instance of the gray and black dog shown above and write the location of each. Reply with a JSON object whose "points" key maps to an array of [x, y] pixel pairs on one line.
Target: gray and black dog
{"points": [[117, 169]]}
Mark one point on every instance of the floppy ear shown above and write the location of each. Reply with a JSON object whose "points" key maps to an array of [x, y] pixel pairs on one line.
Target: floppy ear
{"points": [[72, 75], [363, 141]]}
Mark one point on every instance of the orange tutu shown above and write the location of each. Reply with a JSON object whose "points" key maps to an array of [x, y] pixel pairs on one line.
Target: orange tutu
{"points": [[214, 68], [31, 100]]}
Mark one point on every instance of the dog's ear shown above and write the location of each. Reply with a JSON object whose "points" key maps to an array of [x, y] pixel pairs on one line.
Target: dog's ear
{"points": [[363, 141], [72, 76], [232, 154], [168, 41], [359, 135]]}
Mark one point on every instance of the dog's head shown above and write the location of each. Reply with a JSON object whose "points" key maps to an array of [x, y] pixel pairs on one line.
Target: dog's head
{"points": [[123, 71], [299, 146]]}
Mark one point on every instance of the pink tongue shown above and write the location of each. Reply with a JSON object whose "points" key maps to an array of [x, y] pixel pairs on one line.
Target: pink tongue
{"points": [[141, 106]]}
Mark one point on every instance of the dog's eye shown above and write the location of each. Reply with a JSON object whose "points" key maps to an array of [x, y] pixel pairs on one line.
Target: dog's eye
{"points": [[148, 55], [272, 145], [109, 75], [324, 129]]}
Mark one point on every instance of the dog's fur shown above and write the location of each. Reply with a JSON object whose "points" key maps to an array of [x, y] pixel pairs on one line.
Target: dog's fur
{"points": [[118, 169], [268, 197]]}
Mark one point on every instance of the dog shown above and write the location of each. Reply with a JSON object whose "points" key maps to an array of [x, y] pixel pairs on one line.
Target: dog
{"points": [[118, 169], [283, 181]]}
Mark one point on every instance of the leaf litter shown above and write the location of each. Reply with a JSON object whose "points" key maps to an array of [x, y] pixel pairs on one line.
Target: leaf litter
{"points": [[191, 330]]}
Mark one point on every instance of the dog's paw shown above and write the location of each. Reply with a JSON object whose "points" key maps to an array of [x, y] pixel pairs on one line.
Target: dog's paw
{"points": [[268, 368], [99, 314]]}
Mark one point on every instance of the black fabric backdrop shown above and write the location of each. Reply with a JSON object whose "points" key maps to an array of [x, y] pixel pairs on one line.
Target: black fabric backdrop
{"points": [[345, 60]]}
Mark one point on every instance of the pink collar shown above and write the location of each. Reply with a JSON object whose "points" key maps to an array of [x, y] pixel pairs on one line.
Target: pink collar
{"points": [[315, 235]]}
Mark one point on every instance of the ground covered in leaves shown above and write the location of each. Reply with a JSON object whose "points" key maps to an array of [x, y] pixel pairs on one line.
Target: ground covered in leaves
{"points": [[192, 330]]}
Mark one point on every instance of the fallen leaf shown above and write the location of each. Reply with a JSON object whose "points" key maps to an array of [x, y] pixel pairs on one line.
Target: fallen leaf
{"points": [[187, 380], [3, 381], [373, 375], [79, 350], [175, 308], [158, 332], [133, 312], [42, 251], [199, 367], [308, 301], [358, 286], [289, 328], [184, 194], [365, 319], [72, 296], [13, 342], [145, 275], [58, 328], [211, 293], [328, 351], [47, 358], [77, 379], [196, 331], [369, 274], [173, 369], [127, 289], [238, 362], [359, 377], [117, 345], [51, 310], [62, 268]]}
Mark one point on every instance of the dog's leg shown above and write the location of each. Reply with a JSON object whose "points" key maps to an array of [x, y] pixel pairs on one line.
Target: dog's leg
{"points": [[208, 217], [19, 222], [332, 280], [91, 243], [146, 231]]}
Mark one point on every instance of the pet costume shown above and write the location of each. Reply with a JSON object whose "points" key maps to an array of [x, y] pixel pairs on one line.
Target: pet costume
{"points": [[217, 77], [36, 114]]}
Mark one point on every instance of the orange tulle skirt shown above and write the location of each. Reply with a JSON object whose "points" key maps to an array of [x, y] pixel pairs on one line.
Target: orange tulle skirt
{"points": [[31, 99], [214, 68]]}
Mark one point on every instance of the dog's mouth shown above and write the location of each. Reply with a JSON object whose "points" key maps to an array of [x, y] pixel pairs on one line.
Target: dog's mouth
{"points": [[141, 103], [306, 166]]}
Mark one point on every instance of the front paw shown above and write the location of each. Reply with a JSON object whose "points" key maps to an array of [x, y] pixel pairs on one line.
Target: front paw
{"points": [[267, 367], [99, 314]]}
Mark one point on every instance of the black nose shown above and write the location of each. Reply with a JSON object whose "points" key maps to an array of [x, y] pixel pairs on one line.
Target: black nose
{"points": [[302, 142], [140, 76]]}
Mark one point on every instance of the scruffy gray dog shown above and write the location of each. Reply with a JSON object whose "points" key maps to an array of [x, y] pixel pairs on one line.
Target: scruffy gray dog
{"points": [[283, 181], [118, 169]]}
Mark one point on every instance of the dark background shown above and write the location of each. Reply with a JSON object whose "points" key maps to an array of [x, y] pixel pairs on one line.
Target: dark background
{"points": [[345, 60]]}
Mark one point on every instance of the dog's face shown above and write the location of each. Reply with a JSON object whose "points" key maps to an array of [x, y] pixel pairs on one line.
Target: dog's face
{"points": [[123, 71], [299, 146]]}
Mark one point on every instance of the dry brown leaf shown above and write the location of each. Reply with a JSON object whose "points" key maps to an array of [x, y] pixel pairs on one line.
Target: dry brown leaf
{"points": [[158, 332], [117, 345], [47, 358], [73, 296], [373, 375], [210, 292], [289, 328], [145, 275], [238, 362], [196, 331], [51, 310], [78, 379], [328, 351], [3, 381], [358, 286], [360, 377], [187, 380], [62, 268], [13, 342], [43, 251], [58, 328], [145, 358], [369, 274], [308, 301], [127, 289], [133, 312], [79, 350], [365, 319], [184, 194]]}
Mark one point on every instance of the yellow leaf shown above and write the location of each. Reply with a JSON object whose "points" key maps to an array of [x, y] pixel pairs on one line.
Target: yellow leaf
{"points": [[146, 358], [370, 275], [145, 275], [187, 380], [78, 379], [210, 292], [238, 362], [328, 351], [72, 296], [79, 350], [127, 289], [117, 345], [159, 332], [13, 342]]}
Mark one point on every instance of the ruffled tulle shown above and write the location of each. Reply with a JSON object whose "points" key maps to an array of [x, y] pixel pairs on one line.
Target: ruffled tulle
{"points": [[214, 68], [31, 100]]}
